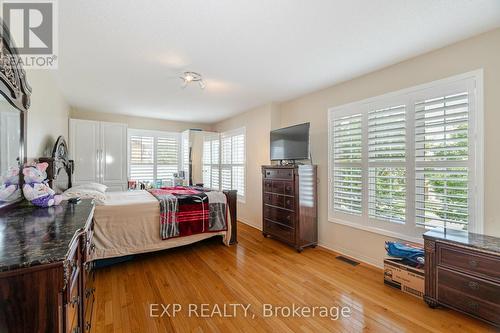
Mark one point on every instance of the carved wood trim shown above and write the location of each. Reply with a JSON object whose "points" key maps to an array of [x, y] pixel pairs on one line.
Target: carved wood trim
{"points": [[14, 85], [430, 273]]}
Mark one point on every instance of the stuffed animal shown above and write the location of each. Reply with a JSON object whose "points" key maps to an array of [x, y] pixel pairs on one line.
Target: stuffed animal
{"points": [[35, 186], [9, 191]]}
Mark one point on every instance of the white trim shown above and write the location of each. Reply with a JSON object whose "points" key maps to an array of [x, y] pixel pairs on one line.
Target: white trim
{"points": [[476, 150], [370, 261]]}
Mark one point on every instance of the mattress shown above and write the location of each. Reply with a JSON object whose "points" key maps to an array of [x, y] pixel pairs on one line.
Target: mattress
{"points": [[129, 223]]}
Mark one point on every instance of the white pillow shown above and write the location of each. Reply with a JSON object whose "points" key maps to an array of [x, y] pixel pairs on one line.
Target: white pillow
{"points": [[73, 192], [92, 186]]}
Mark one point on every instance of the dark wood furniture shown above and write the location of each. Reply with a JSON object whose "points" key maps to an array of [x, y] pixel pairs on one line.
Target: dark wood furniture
{"points": [[16, 90], [290, 204], [46, 282], [462, 272]]}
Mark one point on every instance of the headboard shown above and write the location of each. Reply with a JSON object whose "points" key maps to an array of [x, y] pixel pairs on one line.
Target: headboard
{"points": [[60, 170]]}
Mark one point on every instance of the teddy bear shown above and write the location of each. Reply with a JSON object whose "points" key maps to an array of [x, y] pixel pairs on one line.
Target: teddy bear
{"points": [[35, 186], [9, 190]]}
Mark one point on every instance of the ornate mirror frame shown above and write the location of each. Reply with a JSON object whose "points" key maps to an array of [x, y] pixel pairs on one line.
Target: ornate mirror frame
{"points": [[15, 89]]}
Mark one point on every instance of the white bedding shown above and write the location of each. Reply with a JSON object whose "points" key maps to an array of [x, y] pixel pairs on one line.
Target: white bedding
{"points": [[129, 223]]}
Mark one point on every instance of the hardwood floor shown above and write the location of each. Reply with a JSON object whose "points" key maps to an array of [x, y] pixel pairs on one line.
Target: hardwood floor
{"points": [[259, 271]]}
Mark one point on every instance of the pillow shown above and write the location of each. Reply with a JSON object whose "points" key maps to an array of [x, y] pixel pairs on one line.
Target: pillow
{"points": [[92, 186], [73, 192]]}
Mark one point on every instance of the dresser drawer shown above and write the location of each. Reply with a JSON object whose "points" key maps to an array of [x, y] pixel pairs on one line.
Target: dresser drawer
{"points": [[279, 215], [469, 285], [274, 199], [482, 264], [279, 231], [278, 174], [469, 304]]}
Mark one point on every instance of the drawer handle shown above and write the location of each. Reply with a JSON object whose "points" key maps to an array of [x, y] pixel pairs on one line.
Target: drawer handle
{"points": [[472, 263], [473, 285], [268, 173], [88, 326]]}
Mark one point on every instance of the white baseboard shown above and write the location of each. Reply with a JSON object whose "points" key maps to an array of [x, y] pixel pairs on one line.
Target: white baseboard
{"points": [[355, 255], [249, 224], [349, 253]]}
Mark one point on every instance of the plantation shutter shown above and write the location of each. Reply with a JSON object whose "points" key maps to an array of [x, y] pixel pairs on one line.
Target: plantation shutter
{"points": [[233, 161], [386, 164], [347, 169], [141, 163], [153, 156], [441, 155], [167, 148], [211, 161]]}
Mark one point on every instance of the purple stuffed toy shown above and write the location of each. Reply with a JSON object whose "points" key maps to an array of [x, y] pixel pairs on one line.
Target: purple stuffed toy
{"points": [[35, 187]]}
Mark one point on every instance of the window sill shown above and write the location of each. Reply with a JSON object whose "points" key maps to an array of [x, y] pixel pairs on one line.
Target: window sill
{"points": [[379, 231]]}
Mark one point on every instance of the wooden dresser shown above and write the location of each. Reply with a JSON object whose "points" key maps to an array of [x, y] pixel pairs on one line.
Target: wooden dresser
{"points": [[290, 204], [46, 282], [462, 272]]}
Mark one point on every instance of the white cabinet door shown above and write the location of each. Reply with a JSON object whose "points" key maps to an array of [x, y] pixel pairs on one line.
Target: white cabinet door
{"points": [[84, 150], [113, 154]]}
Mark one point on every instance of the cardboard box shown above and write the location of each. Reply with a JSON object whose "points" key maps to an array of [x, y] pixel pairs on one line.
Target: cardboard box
{"points": [[408, 279]]}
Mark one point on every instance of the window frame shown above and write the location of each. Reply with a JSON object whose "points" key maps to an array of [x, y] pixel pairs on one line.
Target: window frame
{"points": [[155, 135], [409, 96]]}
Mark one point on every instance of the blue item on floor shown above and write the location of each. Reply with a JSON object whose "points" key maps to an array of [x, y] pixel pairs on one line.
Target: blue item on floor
{"points": [[410, 254]]}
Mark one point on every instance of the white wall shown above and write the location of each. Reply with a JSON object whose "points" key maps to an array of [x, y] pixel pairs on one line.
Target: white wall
{"points": [[258, 125], [478, 52], [47, 115]]}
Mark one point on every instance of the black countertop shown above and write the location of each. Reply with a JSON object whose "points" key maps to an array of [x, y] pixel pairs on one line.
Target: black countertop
{"points": [[478, 241], [31, 236]]}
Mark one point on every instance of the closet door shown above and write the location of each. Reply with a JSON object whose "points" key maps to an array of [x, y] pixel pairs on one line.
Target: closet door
{"points": [[84, 150], [113, 156]]}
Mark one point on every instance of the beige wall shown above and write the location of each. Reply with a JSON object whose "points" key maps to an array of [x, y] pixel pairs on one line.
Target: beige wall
{"points": [[479, 52], [137, 122], [47, 115], [257, 123]]}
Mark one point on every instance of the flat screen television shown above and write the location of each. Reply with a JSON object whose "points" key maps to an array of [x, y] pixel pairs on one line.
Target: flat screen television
{"points": [[290, 143]]}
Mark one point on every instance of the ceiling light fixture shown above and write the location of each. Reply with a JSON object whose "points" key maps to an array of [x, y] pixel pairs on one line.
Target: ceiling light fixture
{"points": [[189, 77]]}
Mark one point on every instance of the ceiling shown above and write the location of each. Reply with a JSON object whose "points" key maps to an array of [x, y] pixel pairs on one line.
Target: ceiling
{"points": [[125, 56]]}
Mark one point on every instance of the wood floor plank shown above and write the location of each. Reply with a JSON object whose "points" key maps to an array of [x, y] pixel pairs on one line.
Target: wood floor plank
{"points": [[259, 271]]}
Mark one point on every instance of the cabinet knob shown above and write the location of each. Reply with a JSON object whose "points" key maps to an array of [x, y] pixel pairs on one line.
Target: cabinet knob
{"points": [[472, 263], [473, 285], [88, 326]]}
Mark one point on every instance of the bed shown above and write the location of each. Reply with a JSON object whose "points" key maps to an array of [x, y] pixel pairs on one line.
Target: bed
{"points": [[128, 223]]}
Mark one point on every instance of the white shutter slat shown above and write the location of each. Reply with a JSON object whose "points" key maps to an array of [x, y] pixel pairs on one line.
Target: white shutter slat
{"points": [[347, 139], [441, 136], [387, 145], [347, 199]]}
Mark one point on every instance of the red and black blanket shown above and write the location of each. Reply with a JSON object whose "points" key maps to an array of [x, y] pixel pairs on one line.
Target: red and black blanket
{"points": [[188, 211]]}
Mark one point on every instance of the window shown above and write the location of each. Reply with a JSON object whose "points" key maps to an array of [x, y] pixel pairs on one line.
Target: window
{"points": [[233, 161], [409, 161], [211, 162], [224, 161], [153, 156]]}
